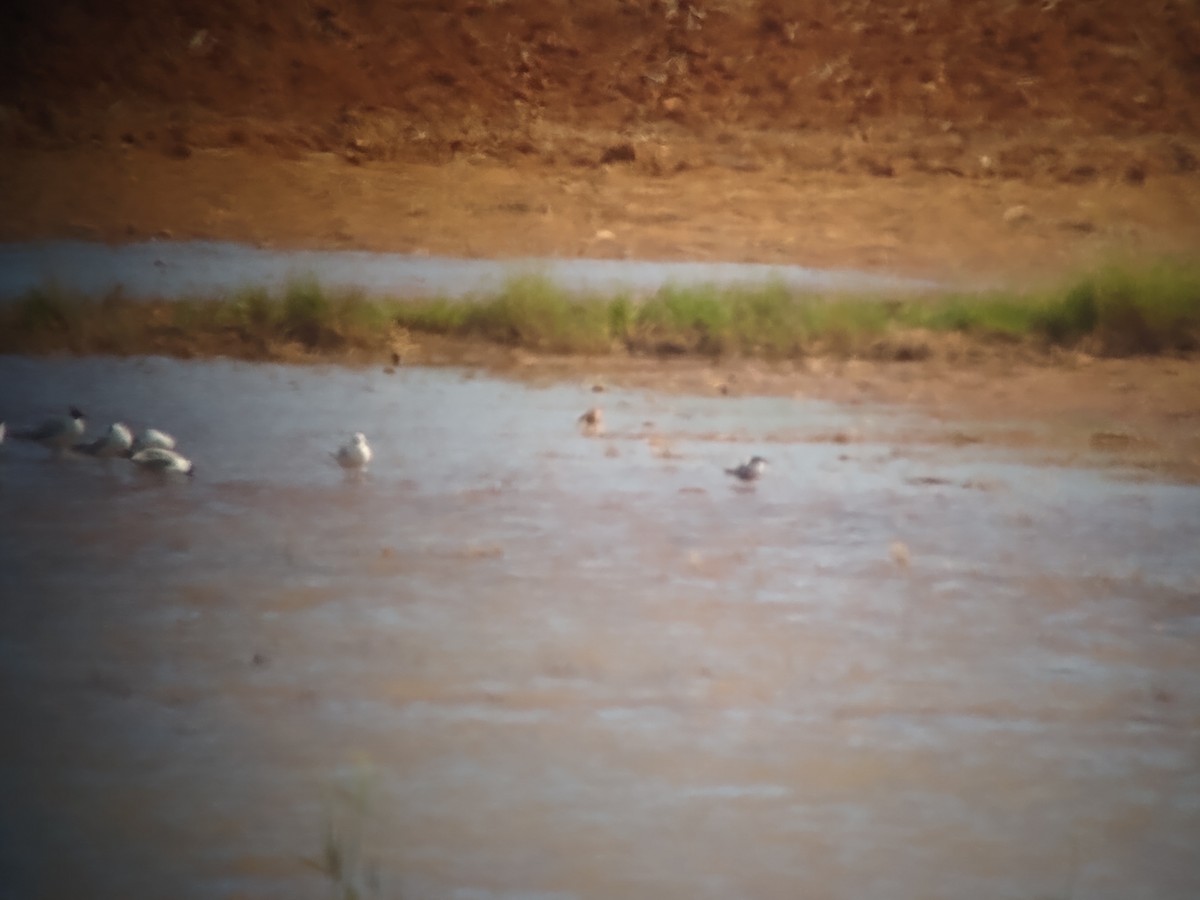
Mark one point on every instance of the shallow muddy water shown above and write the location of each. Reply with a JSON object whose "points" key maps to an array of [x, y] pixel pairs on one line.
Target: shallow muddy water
{"points": [[562, 666], [166, 269]]}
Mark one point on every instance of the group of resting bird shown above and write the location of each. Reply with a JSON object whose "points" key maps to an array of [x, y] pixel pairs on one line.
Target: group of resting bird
{"points": [[751, 470], [152, 449], [155, 450]]}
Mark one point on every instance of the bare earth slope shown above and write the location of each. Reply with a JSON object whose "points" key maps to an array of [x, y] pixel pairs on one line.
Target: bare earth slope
{"points": [[982, 137]]}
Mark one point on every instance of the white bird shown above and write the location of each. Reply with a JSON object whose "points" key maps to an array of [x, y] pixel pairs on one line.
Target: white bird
{"points": [[57, 434], [152, 437], [749, 471], [117, 441], [355, 453], [160, 459]]}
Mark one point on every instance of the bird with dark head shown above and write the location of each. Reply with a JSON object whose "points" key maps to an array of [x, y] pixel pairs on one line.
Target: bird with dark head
{"points": [[592, 421], [749, 471], [57, 434]]}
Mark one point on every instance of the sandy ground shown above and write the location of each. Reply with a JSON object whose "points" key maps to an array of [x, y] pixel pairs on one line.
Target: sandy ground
{"points": [[941, 226]]}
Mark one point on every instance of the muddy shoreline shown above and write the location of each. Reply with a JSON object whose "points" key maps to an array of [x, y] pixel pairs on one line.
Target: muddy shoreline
{"points": [[966, 230], [1143, 413], [1063, 406]]}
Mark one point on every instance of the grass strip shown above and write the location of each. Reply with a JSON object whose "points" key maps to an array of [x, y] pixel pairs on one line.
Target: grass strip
{"points": [[1118, 310]]}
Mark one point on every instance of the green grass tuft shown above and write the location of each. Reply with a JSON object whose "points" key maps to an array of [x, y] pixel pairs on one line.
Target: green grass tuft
{"points": [[531, 311], [1115, 311]]}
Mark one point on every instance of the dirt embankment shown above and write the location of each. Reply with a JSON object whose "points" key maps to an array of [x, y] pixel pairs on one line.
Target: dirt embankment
{"points": [[981, 137], [920, 85]]}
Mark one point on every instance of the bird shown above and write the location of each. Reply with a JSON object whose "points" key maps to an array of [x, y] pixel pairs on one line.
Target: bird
{"points": [[749, 471], [160, 459], [117, 441], [355, 453], [57, 434], [592, 421], [152, 437]]}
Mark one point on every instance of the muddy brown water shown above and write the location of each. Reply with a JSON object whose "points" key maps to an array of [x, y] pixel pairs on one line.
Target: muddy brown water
{"points": [[569, 667]]}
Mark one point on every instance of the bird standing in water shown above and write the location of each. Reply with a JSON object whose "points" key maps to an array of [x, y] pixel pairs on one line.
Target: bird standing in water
{"points": [[159, 459], [749, 471], [592, 421], [355, 453], [56, 434]]}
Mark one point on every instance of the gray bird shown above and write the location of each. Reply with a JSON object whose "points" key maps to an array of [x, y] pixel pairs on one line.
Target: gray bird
{"points": [[57, 434], [117, 441], [749, 471], [152, 437], [159, 459]]}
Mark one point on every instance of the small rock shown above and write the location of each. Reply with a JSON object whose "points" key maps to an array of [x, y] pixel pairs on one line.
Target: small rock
{"points": [[604, 244], [1113, 440], [1135, 174], [201, 42], [1017, 215], [878, 168], [1083, 226], [618, 153]]}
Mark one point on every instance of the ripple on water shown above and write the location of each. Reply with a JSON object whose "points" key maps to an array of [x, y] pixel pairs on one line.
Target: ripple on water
{"points": [[665, 686]]}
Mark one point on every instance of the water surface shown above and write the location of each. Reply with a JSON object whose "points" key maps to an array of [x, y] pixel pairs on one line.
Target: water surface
{"points": [[171, 269], [579, 667]]}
